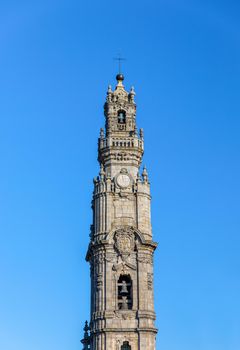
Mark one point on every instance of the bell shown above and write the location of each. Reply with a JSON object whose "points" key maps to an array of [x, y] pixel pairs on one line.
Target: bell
{"points": [[124, 303], [124, 288]]}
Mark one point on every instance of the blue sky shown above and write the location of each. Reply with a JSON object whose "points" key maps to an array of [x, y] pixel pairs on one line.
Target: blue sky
{"points": [[55, 64]]}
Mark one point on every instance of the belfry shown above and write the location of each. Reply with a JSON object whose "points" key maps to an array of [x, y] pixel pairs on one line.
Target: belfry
{"points": [[121, 247]]}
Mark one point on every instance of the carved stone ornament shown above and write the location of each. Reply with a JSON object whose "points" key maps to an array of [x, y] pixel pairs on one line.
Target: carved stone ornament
{"points": [[150, 281], [123, 267], [124, 242], [123, 179], [99, 281], [99, 258], [125, 315], [146, 260]]}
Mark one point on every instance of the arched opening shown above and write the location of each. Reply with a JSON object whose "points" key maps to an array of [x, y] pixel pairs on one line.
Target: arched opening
{"points": [[121, 117], [125, 292], [125, 346]]}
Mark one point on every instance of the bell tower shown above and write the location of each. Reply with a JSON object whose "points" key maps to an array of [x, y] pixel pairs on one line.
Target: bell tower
{"points": [[121, 247]]}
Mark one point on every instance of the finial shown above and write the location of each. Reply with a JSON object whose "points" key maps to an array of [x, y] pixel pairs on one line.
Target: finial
{"points": [[138, 177], [135, 130], [109, 93], [102, 172], [132, 94], [86, 328], [86, 338], [120, 77], [119, 59], [145, 174], [101, 133], [132, 91]]}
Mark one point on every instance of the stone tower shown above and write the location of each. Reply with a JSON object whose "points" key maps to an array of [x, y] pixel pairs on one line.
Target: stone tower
{"points": [[121, 248]]}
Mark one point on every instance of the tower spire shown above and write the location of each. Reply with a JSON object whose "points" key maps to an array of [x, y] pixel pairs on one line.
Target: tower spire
{"points": [[121, 245]]}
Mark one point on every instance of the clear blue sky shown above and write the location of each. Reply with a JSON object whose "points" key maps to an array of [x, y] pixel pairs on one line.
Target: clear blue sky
{"points": [[183, 57]]}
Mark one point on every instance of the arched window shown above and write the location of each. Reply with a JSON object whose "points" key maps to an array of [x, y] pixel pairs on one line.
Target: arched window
{"points": [[125, 292], [121, 117], [125, 346]]}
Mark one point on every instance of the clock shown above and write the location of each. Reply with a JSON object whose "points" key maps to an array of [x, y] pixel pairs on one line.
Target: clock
{"points": [[123, 180]]}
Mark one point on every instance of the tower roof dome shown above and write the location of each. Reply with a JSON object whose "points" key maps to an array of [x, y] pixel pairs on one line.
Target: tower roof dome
{"points": [[120, 77]]}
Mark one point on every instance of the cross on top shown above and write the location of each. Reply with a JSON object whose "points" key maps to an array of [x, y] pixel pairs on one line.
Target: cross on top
{"points": [[119, 59]]}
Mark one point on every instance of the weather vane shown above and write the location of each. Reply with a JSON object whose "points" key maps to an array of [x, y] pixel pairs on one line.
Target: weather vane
{"points": [[119, 59]]}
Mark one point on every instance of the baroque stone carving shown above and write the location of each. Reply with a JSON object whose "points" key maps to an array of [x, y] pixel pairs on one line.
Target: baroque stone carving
{"points": [[124, 242], [150, 281], [121, 247], [146, 259], [99, 281], [99, 258], [125, 315], [111, 258], [123, 267]]}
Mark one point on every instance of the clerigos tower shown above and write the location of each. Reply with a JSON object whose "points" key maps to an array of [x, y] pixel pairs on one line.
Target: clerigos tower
{"points": [[121, 245]]}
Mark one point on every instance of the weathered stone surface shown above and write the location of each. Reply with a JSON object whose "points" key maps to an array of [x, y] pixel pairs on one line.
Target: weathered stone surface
{"points": [[121, 248]]}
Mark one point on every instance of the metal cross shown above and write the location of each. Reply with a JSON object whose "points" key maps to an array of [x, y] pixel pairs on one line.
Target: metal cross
{"points": [[119, 59]]}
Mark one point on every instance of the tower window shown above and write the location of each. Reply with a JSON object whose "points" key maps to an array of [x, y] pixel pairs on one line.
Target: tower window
{"points": [[125, 292], [121, 117], [125, 346]]}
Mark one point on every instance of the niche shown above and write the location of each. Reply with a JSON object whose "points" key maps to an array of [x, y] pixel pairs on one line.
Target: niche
{"points": [[125, 346], [121, 117], [125, 293]]}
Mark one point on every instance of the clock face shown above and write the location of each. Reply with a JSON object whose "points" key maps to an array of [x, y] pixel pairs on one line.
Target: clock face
{"points": [[123, 180]]}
